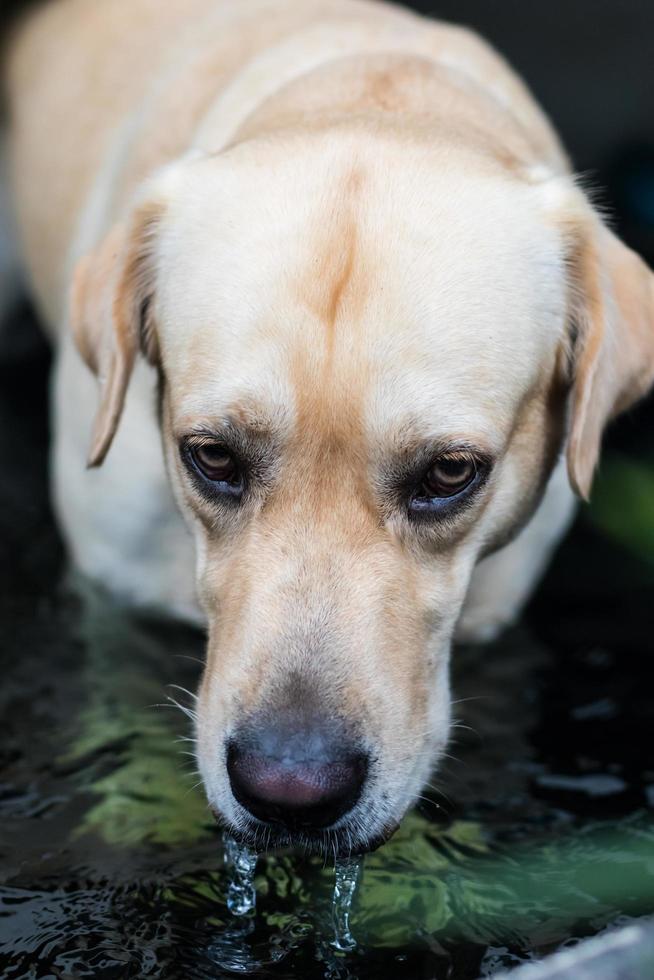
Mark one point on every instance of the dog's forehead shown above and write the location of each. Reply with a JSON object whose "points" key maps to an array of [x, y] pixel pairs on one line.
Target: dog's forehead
{"points": [[416, 292]]}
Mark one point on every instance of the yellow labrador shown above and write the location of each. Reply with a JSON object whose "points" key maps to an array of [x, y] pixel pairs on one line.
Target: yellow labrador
{"points": [[340, 247]]}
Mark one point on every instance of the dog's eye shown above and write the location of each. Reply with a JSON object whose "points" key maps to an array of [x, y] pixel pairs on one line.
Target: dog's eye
{"points": [[218, 465], [448, 476], [449, 479]]}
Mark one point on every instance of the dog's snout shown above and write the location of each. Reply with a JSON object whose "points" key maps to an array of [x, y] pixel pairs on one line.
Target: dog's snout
{"points": [[296, 776]]}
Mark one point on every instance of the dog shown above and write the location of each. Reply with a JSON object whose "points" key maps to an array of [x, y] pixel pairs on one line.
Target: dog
{"points": [[346, 309]]}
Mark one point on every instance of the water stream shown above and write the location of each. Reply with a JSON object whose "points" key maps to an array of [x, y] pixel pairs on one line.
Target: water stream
{"points": [[347, 874], [241, 864], [241, 895]]}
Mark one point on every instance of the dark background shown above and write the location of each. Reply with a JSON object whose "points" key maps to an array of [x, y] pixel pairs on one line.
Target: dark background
{"points": [[564, 699], [590, 64]]}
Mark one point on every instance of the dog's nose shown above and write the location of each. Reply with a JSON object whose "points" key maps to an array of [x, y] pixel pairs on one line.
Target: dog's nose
{"points": [[294, 776]]}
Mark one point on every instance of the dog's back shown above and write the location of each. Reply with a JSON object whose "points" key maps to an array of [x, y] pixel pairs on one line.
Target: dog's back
{"points": [[103, 93], [79, 72], [75, 69]]}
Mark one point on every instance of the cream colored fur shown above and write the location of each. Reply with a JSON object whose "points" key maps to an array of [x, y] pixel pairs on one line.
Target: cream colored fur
{"points": [[351, 231]]}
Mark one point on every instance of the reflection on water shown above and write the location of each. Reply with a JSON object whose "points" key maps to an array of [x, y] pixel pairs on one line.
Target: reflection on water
{"points": [[539, 829]]}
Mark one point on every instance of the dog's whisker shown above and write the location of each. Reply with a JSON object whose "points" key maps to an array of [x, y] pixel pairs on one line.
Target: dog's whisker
{"points": [[465, 728], [440, 791], [184, 690], [186, 656], [191, 773], [428, 799], [171, 703], [185, 710], [454, 758], [192, 788]]}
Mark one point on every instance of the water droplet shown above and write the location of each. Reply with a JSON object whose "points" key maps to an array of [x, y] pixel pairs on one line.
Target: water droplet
{"points": [[241, 864], [348, 874]]}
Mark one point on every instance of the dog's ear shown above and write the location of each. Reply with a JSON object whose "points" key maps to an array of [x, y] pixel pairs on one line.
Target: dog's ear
{"points": [[111, 315], [612, 317]]}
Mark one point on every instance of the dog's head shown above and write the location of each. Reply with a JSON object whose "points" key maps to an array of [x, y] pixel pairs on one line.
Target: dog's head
{"points": [[370, 355]]}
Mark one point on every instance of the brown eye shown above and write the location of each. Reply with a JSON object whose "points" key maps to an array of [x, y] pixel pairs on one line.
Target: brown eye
{"points": [[448, 476], [216, 464]]}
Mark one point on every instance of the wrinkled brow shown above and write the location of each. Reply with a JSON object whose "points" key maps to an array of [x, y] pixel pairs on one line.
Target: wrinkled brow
{"points": [[252, 434], [411, 457], [415, 438]]}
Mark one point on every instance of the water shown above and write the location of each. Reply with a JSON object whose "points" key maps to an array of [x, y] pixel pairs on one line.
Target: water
{"points": [[347, 874], [539, 832], [241, 894], [241, 865]]}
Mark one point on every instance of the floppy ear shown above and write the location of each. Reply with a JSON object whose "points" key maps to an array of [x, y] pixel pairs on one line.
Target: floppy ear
{"points": [[111, 315], [613, 360]]}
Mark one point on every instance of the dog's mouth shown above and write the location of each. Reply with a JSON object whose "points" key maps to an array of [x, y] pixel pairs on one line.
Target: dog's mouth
{"points": [[329, 842]]}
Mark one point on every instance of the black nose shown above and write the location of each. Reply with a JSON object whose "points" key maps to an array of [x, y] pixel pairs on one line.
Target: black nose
{"points": [[296, 774]]}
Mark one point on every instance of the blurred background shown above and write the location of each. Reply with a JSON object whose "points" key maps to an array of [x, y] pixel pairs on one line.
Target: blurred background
{"points": [[590, 64], [540, 832]]}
